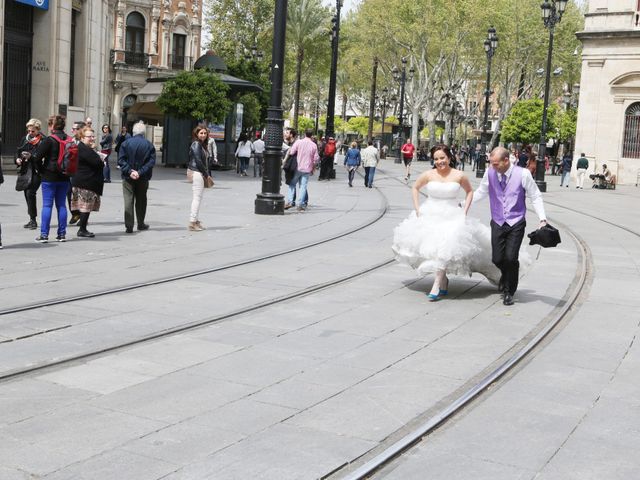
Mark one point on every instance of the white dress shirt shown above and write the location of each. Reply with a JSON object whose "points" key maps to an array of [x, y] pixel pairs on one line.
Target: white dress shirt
{"points": [[528, 183]]}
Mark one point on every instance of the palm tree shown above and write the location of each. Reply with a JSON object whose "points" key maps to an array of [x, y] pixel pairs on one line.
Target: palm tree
{"points": [[343, 84], [306, 22]]}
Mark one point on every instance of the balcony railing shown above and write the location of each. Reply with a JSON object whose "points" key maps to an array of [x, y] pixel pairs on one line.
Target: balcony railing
{"points": [[136, 59], [179, 62]]}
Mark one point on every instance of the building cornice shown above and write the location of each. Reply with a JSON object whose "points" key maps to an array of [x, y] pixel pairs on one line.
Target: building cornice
{"points": [[607, 34]]}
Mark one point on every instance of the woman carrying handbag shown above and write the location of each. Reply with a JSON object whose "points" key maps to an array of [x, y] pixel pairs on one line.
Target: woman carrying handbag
{"points": [[198, 166], [28, 179]]}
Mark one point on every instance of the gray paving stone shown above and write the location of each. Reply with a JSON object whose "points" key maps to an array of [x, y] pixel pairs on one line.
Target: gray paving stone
{"points": [[80, 433], [183, 443], [257, 366], [245, 416], [295, 393], [173, 397], [102, 379], [271, 458], [236, 334], [451, 466], [379, 353], [13, 474], [29, 398], [114, 464]]}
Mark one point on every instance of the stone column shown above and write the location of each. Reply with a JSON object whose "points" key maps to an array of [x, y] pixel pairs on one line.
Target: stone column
{"points": [[117, 104], [120, 31]]}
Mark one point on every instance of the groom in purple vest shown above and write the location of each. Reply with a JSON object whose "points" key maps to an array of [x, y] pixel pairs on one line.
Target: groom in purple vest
{"points": [[507, 185]]}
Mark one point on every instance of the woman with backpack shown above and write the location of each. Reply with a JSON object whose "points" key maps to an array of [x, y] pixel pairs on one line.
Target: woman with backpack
{"points": [[243, 153], [26, 166], [88, 181], [55, 184]]}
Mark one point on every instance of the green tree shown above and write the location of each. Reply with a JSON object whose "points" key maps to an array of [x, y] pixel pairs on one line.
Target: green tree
{"points": [[306, 23], [524, 122], [567, 121], [236, 26], [360, 125], [305, 123], [197, 95]]}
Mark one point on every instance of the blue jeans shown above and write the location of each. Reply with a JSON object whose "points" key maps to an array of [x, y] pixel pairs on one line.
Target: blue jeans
{"points": [[54, 192], [243, 164], [302, 178], [369, 172], [106, 171], [565, 176]]}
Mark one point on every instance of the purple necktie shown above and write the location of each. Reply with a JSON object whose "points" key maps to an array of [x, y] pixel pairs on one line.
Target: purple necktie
{"points": [[503, 182]]}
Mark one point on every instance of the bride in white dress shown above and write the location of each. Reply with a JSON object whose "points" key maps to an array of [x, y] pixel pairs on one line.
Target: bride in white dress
{"points": [[438, 236]]}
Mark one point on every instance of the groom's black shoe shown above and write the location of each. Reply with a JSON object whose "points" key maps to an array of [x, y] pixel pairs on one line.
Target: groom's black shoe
{"points": [[508, 299]]}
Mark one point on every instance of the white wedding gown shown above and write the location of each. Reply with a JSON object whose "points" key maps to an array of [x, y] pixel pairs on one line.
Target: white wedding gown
{"points": [[442, 237]]}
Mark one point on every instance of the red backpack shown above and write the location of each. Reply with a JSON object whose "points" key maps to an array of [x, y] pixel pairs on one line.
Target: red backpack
{"points": [[330, 149], [67, 163]]}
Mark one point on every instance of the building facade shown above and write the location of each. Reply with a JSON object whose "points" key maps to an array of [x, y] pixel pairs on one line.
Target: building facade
{"points": [[55, 60], [150, 39], [608, 129]]}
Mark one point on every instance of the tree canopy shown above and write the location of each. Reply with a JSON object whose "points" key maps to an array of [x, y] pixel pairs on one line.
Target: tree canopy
{"points": [[198, 95]]}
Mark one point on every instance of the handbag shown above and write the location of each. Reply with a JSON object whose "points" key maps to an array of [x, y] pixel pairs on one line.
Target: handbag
{"points": [[208, 182], [24, 180]]}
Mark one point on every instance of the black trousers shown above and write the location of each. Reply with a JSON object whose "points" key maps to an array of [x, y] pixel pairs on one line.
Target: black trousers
{"points": [[505, 247], [31, 196], [135, 198], [326, 165]]}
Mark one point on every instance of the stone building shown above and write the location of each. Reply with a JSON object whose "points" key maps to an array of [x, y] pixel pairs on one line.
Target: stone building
{"points": [[55, 60], [608, 128], [150, 39]]}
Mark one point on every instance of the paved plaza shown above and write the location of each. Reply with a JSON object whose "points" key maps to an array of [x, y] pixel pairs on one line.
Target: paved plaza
{"points": [[317, 358]]}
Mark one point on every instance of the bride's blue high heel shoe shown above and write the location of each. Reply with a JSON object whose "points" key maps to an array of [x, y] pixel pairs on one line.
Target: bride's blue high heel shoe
{"points": [[442, 293], [433, 297]]}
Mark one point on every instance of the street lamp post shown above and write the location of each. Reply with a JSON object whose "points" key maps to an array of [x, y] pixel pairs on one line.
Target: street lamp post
{"points": [[270, 201], [551, 14], [372, 101], [385, 96], [401, 76], [490, 46], [331, 102]]}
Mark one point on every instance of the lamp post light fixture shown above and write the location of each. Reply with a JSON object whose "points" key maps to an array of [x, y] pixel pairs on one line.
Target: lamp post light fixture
{"points": [[270, 201], [331, 102], [401, 76], [490, 46], [254, 53], [551, 15]]}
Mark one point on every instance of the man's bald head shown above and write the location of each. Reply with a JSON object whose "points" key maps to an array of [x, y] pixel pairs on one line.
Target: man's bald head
{"points": [[499, 159]]}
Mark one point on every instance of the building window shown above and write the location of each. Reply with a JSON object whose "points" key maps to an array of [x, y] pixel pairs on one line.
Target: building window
{"points": [[631, 143], [177, 52], [134, 42]]}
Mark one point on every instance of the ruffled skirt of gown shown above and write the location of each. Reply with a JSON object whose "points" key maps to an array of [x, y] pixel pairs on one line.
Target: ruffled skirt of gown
{"points": [[442, 237]]}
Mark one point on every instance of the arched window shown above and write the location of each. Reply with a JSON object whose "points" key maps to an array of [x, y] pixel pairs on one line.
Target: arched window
{"points": [[631, 143], [134, 41]]}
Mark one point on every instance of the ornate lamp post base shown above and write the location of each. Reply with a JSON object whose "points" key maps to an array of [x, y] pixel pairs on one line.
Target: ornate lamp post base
{"points": [[269, 204]]}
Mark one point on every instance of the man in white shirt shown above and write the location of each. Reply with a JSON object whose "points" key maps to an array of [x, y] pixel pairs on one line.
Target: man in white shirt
{"points": [[507, 185], [258, 155]]}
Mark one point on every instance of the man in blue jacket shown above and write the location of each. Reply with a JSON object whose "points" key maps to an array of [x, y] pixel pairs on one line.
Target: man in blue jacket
{"points": [[136, 159]]}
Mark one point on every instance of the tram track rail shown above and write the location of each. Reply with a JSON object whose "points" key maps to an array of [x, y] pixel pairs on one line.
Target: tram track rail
{"points": [[374, 461], [42, 366], [173, 278]]}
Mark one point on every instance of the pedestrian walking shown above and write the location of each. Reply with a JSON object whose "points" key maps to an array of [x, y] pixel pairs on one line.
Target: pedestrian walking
{"points": [[136, 159], [27, 168], [370, 159], [352, 161], [88, 182], [407, 151], [566, 170], [55, 185], [306, 152], [243, 153], [326, 164], [258, 155], [106, 143], [506, 186], [76, 132], [581, 167], [198, 154]]}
